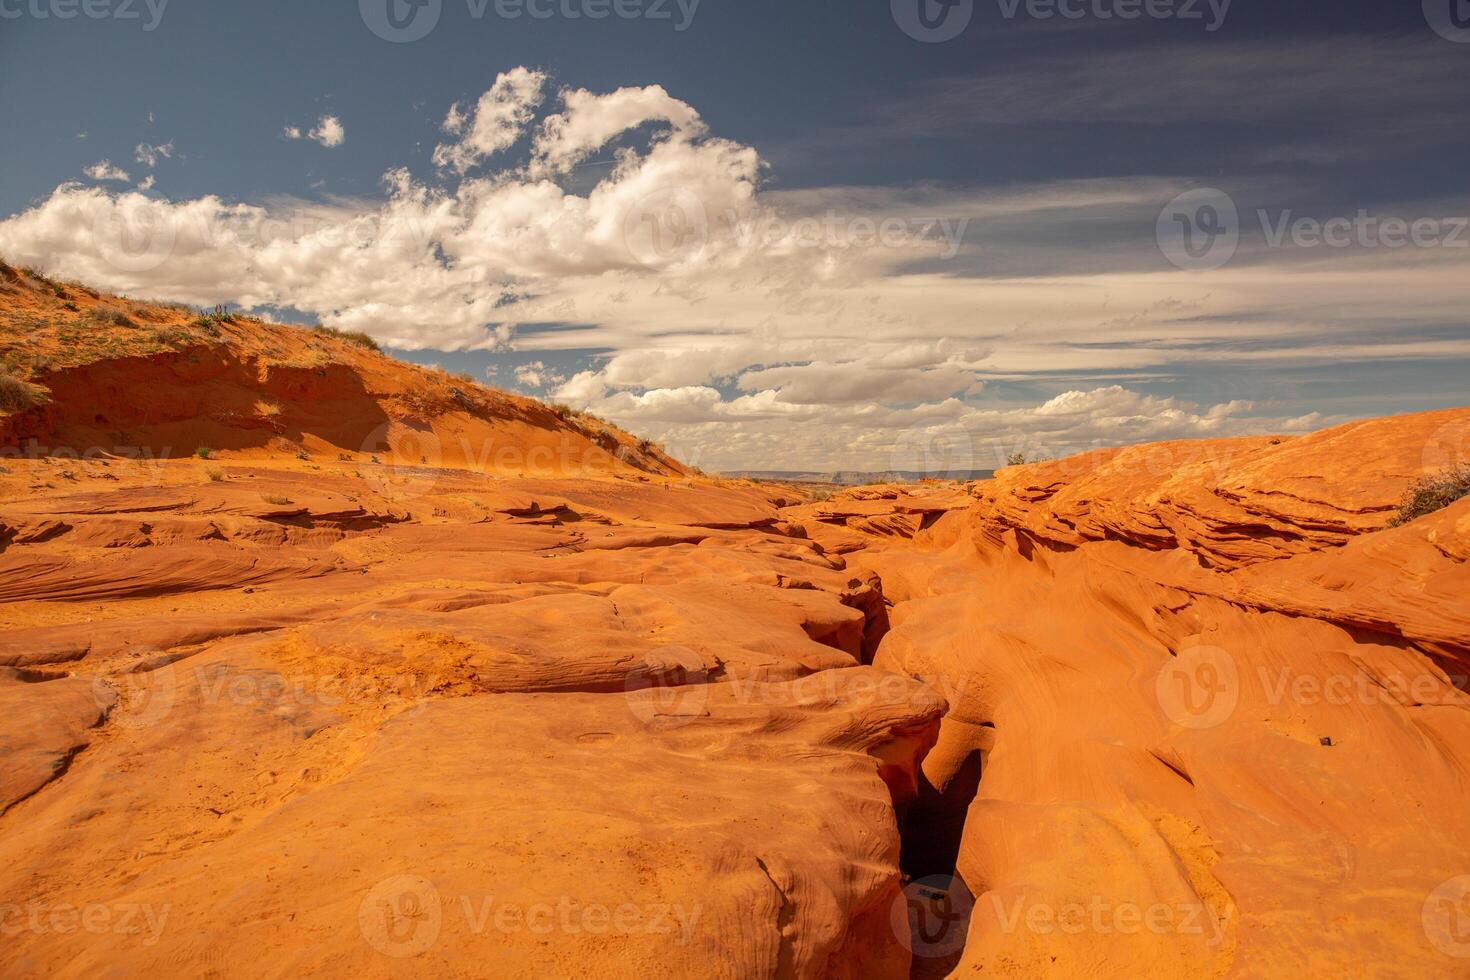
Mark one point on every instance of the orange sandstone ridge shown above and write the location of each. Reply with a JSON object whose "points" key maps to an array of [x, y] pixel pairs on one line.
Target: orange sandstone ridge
{"points": [[1170, 711]]}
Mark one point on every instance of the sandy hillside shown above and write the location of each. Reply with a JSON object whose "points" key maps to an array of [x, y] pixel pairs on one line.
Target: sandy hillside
{"points": [[346, 699], [135, 379]]}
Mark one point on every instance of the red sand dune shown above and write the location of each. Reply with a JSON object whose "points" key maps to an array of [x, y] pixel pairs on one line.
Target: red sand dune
{"points": [[1171, 711]]}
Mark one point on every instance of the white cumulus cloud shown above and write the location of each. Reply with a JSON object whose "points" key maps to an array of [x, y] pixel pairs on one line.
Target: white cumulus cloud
{"points": [[104, 170]]}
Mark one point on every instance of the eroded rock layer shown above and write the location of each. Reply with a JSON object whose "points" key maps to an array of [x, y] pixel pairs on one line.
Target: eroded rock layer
{"points": [[1218, 704]]}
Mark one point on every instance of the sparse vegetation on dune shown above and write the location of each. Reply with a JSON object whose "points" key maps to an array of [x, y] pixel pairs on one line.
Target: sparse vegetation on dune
{"points": [[355, 337], [17, 395], [111, 315], [46, 330], [1433, 493]]}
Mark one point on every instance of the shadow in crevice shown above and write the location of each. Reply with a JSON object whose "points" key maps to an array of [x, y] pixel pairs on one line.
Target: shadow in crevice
{"points": [[933, 827], [931, 832]]}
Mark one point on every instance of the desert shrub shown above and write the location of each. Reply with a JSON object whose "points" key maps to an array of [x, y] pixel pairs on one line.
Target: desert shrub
{"points": [[8, 272], [170, 336], [203, 452], [19, 396], [1432, 493], [361, 339], [112, 315], [215, 474], [564, 411], [276, 499], [1016, 459]]}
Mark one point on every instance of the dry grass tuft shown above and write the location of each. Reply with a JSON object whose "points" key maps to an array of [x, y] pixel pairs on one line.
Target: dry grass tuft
{"points": [[18, 396]]}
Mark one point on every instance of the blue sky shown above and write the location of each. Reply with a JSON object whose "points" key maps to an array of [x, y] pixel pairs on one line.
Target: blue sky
{"points": [[1028, 296]]}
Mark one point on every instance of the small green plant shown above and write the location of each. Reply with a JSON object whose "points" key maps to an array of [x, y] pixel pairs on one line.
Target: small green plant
{"points": [[1432, 493], [211, 320], [203, 452], [1016, 459]]}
